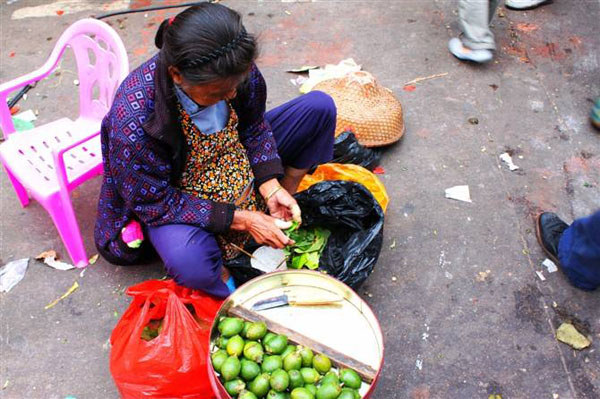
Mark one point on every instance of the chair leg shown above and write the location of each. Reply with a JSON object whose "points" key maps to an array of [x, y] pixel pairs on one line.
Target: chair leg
{"points": [[61, 211], [20, 190]]}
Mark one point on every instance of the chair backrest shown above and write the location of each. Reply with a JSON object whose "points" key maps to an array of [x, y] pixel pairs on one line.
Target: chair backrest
{"points": [[102, 64]]}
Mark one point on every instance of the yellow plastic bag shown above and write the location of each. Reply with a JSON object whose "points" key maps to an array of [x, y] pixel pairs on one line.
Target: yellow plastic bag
{"points": [[355, 173]]}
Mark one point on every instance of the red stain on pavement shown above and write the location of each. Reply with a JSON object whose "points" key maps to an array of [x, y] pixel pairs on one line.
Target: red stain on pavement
{"points": [[550, 50], [137, 4], [580, 165], [410, 88], [576, 41], [330, 51], [149, 29], [321, 44], [518, 51], [527, 27], [421, 392], [545, 174]]}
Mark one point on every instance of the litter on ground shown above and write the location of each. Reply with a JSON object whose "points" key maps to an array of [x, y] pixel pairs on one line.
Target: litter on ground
{"points": [[568, 334], [550, 266], [63, 296], [540, 275], [507, 159], [12, 273], [50, 259], [459, 193]]}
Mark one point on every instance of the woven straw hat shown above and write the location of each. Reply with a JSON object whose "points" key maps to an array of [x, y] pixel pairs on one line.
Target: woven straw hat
{"points": [[363, 106]]}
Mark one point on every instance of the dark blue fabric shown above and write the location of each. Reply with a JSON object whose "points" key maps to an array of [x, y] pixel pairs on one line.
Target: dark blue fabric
{"points": [[191, 256], [303, 129], [579, 252]]}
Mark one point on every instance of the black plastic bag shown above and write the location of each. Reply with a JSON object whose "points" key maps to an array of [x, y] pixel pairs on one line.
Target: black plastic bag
{"points": [[355, 220], [346, 149]]}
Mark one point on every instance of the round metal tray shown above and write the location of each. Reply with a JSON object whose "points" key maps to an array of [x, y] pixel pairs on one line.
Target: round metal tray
{"points": [[350, 327]]}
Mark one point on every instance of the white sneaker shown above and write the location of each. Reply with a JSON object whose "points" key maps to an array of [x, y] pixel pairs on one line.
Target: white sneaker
{"points": [[461, 52], [525, 4]]}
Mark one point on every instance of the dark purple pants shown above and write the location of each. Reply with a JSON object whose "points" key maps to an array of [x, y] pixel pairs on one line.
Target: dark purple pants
{"points": [[303, 129]]}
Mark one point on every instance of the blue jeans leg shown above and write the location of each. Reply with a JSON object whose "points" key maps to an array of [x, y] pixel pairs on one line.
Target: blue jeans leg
{"points": [[579, 252], [191, 256]]}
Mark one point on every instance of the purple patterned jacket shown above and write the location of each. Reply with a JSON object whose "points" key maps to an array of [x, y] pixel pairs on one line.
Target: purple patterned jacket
{"points": [[144, 152]]}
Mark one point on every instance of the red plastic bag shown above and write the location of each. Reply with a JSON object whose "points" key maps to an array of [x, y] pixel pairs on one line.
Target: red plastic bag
{"points": [[174, 364]]}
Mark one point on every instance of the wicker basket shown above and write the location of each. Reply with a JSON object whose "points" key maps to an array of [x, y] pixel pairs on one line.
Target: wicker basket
{"points": [[366, 108]]}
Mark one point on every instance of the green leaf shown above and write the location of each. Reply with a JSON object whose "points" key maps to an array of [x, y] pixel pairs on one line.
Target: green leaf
{"points": [[309, 244], [312, 260], [298, 261], [292, 228]]}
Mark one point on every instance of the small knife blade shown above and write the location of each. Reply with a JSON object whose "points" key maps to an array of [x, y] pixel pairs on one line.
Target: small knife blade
{"points": [[271, 303], [285, 300]]}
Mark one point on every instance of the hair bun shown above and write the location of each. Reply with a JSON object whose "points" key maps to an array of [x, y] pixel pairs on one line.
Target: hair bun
{"points": [[159, 39]]}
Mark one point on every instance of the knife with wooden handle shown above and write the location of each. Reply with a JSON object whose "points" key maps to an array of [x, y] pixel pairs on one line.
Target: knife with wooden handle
{"points": [[290, 300]]}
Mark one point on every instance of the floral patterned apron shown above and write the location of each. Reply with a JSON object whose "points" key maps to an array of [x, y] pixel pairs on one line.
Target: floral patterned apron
{"points": [[217, 168]]}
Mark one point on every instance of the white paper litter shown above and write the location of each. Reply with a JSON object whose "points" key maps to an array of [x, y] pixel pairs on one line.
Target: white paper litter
{"points": [[316, 76], [459, 193], [12, 273], [419, 363], [57, 264], [540, 275], [507, 159], [550, 266]]}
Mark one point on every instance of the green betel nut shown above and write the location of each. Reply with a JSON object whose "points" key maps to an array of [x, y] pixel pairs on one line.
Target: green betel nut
{"points": [[250, 370], [253, 351], [218, 358], [260, 385], [271, 363], [256, 331], [350, 378], [301, 393], [230, 368], [293, 361], [231, 326], [328, 391], [234, 387], [235, 346], [280, 380]]}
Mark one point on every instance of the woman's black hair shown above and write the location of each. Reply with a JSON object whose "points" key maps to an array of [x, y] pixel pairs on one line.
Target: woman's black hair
{"points": [[207, 42]]}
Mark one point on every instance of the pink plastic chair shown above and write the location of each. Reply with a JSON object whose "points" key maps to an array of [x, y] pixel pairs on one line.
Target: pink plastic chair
{"points": [[51, 160]]}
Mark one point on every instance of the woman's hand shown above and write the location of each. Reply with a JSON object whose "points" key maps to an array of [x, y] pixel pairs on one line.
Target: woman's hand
{"points": [[280, 203], [263, 228]]}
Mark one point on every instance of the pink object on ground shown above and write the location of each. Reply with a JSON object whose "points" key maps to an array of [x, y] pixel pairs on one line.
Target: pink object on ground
{"points": [[51, 160], [132, 234]]}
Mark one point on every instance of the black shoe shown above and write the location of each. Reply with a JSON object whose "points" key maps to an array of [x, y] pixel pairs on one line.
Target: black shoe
{"points": [[549, 230]]}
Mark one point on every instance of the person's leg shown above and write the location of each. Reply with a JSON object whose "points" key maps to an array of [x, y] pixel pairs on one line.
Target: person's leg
{"points": [[474, 20], [191, 256], [304, 132], [492, 12], [579, 252]]}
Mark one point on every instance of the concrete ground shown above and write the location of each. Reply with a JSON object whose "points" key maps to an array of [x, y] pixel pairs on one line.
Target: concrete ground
{"points": [[466, 316]]}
